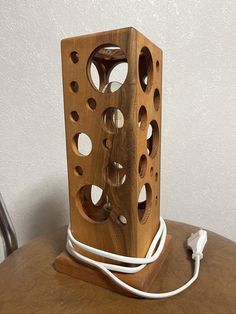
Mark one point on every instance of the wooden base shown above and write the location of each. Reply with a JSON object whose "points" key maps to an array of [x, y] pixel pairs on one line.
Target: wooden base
{"points": [[142, 280]]}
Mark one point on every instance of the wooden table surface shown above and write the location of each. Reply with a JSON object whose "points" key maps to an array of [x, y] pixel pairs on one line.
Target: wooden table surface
{"points": [[29, 283]]}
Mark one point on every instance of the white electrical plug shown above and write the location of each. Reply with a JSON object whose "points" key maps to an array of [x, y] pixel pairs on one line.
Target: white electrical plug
{"points": [[196, 242]]}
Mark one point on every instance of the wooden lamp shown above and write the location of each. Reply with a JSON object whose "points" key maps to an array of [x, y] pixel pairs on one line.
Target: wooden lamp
{"points": [[113, 134]]}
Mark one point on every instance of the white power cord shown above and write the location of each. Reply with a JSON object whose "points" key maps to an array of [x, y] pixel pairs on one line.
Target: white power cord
{"points": [[196, 242]]}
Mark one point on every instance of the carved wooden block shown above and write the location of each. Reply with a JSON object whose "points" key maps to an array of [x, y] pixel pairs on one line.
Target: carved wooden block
{"points": [[113, 139]]}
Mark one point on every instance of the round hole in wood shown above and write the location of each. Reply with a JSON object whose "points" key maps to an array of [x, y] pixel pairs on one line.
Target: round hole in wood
{"points": [[142, 117], [145, 69], [157, 66], [107, 143], [78, 171], [142, 166], [115, 174], [151, 171], [74, 86], [107, 68], [156, 176], [113, 119], [156, 99], [93, 203], [82, 144], [91, 103], [144, 202], [152, 139], [74, 57], [156, 199], [74, 116]]}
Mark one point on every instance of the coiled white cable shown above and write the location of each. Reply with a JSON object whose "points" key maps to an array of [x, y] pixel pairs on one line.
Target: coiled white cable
{"points": [[196, 242]]}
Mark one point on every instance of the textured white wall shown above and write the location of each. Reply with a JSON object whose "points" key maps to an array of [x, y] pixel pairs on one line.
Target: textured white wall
{"points": [[199, 112]]}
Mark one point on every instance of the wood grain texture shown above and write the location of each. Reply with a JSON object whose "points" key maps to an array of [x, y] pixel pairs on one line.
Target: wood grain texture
{"points": [[128, 146], [30, 284]]}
